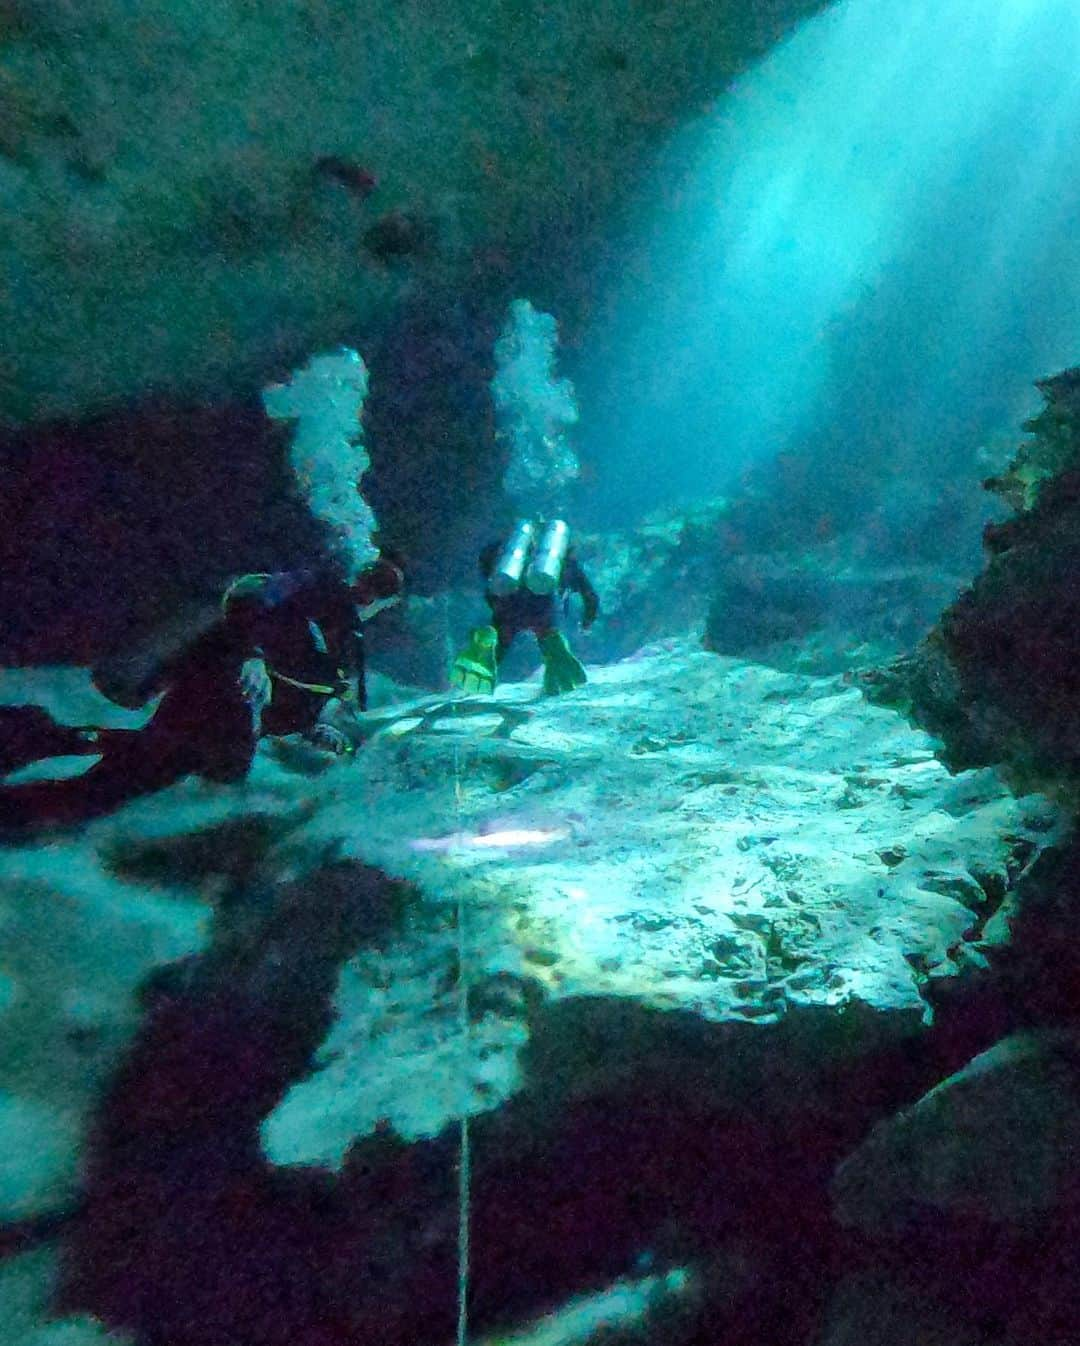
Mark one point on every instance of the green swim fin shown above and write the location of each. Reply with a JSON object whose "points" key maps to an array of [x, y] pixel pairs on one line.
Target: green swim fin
{"points": [[474, 669], [563, 671]]}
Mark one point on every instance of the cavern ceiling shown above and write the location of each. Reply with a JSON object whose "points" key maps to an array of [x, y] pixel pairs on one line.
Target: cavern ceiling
{"points": [[194, 197]]}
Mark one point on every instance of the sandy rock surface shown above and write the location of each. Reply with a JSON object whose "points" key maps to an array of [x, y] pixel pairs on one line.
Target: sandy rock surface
{"points": [[692, 836], [691, 845]]}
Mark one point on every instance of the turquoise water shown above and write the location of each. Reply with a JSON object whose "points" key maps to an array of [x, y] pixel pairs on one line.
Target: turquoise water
{"points": [[872, 235]]}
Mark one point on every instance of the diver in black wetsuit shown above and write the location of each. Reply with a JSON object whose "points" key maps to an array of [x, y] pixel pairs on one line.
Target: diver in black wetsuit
{"points": [[282, 649], [524, 576]]}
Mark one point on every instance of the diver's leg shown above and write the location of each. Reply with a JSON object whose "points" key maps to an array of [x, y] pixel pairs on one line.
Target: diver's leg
{"points": [[563, 671], [131, 767], [505, 634], [474, 669], [209, 727], [229, 760], [28, 733]]}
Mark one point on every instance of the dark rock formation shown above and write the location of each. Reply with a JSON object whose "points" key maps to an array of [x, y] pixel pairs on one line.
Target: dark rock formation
{"points": [[968, 1203], [994, 1142], [998, 680]]}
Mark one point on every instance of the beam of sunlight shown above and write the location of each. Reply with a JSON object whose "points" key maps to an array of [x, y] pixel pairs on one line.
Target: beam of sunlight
{"points": [[886, 211]]}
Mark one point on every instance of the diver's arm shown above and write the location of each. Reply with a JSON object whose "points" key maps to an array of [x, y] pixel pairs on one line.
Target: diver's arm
{"points": [[578, 581], [337, 729], [352, 671]]}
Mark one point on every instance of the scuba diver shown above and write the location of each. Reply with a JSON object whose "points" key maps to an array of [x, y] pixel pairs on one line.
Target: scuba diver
{"points": [[281, 654], [523, 576]]}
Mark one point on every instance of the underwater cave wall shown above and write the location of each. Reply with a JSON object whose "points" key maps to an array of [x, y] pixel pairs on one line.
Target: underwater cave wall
{"points": [[192, 200], [998, 680]]}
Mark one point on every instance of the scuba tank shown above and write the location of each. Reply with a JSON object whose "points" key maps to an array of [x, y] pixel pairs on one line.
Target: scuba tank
{"points": [[506, 576], [545, 570]]}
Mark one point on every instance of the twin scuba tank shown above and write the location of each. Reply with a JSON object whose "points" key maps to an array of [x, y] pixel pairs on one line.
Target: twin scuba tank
{"points": [[538, 562]]}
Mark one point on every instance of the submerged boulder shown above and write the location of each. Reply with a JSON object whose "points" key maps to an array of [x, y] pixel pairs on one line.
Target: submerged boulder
{"points": [[876, 1309], [998, 1141]]}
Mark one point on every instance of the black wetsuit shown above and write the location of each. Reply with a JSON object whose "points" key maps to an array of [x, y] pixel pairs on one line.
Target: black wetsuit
{"points": [[302, 624], [28, 733], [522, 610], [308, 632]]}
